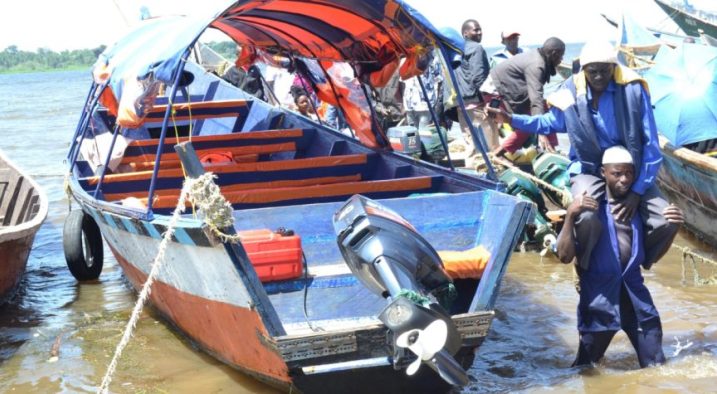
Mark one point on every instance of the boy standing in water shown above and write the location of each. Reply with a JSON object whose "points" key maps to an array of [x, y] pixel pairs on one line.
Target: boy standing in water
{"points": [[613, 295]]}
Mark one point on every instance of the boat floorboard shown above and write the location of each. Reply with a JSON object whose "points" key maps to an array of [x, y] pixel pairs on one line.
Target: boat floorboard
{"points": [[334, 302]]}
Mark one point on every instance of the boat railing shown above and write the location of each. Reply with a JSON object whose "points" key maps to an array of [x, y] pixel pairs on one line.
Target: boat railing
{"points": [[188, 111]]}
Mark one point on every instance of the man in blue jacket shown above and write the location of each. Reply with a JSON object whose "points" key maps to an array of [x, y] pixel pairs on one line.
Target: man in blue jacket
{"points": [[606, 104], [613, 295]]}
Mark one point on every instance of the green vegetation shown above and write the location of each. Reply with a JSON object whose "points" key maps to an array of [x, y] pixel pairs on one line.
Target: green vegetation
{"points": [[13, 60], [228, 49]]}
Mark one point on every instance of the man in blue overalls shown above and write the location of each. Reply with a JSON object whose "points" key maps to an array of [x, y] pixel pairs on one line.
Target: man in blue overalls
{"points": [[613, 295]]}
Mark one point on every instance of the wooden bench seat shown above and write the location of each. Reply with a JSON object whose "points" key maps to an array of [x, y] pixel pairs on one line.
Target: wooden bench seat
{"points": [[200, 110], [255, 142], [355, 167], [149, 165], [242, 199]]}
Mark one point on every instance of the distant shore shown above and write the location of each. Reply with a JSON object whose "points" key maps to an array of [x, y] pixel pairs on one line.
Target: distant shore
{"points": [[45, 70], [16, 61]]}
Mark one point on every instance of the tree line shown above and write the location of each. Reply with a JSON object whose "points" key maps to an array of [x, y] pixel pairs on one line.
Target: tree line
{"points": [[13, 59]]}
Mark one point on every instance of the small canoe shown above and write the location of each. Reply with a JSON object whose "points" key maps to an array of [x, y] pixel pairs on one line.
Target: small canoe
{"points": [[23, 208], [689, 180]]}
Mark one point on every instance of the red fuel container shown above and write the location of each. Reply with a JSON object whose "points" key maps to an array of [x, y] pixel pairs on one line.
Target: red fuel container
{"points": [[274, 256]]}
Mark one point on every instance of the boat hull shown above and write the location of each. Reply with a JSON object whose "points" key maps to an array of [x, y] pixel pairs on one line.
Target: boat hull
{"points": [[689, 180], [13, 260], [23, 208], [206, 296], [690, 24], [208, 302]]}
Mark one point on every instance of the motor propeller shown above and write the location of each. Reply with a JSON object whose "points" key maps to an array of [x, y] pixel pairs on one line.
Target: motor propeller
{"points": [[424, 343]]}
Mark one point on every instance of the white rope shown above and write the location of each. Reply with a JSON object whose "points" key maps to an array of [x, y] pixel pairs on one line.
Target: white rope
{"points": [[697, 278], [217, 211], [144, 294]]}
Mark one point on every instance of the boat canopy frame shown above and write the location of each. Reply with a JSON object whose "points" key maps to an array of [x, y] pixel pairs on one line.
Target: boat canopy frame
{"points": [[388, 25]]}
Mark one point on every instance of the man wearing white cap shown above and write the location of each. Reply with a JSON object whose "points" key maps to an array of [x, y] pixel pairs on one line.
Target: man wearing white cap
{"points": [[603, 105], [613, 295], [509, 38]]}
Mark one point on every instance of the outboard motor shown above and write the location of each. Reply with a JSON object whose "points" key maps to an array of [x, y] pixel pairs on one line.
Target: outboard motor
{"points": [[390, 258]]}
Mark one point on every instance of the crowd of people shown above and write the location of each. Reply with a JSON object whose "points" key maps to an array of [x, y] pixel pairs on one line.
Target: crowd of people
{"points": [[513, 74]]}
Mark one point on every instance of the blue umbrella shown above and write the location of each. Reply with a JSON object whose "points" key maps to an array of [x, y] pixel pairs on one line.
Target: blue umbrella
{"points": [[683, 87]]}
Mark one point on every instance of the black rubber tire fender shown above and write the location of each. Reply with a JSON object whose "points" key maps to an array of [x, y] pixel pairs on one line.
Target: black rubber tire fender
{"points": [[82, 243]]}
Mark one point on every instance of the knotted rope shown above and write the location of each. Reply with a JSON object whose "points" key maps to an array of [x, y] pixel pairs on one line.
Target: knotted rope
{"points": [[217, 212], [693, 257]]}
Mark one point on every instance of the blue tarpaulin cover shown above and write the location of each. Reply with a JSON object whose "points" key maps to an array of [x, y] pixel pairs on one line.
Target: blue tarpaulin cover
{"points": [[683, 86]]}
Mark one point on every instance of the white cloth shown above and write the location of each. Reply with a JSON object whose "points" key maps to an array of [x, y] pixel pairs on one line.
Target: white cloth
{"points": [[616, 155], [598, 52], [95, 150]]}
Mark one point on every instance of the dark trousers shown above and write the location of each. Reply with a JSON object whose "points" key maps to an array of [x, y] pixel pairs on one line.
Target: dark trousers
{"points": [[645, 338], [588, 227]]}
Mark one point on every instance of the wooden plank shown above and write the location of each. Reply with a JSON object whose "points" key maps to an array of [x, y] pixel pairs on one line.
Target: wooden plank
{"points": [[262, 196], [235, 151], [10, 208], [24, 201], [166, 194], [254, 135], [262, 166], [199, 110], [699, 160]]}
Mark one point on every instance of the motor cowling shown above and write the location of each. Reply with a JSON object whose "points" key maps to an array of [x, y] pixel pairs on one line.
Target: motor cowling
{"points": [[388, 255]]}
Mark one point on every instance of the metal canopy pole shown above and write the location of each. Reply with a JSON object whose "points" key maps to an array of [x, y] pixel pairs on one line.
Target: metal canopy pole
{"points": [[477, 137], [90, 94], [435, 121], [76, 153], [163, 134], [107, 161]]}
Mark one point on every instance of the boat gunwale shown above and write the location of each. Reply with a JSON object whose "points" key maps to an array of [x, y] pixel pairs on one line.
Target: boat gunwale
{"points": [[696, 159], [30, 227]]}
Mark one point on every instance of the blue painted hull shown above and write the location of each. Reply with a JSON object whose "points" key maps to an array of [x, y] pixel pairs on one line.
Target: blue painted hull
{"points": [[690, 21], [689, 180]]}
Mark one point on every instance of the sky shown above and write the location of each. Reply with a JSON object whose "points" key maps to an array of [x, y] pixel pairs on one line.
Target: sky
{"points": [[80, 24]]}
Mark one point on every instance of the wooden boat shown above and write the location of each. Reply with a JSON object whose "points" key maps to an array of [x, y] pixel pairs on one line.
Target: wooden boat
{"points": [[636, 45], [689, 18], [297, 323], [689, 180], [23, 208]]}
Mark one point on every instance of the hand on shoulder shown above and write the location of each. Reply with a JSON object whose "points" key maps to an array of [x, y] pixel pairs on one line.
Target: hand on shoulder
{"points": [[582, 203], [673, 214]]}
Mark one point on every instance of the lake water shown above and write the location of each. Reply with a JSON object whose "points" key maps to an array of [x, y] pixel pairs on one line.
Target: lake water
{"points": [[530, 347]]}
